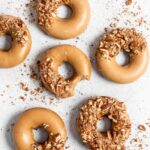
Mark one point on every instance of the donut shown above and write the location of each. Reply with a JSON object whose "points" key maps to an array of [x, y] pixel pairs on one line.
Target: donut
{"points": [[21, 41], [63, 28], [53, 58], [93, 111], [39, 118], [133, 44]]}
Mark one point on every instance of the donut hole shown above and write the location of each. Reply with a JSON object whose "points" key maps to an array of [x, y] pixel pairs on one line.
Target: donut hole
{"points": [[5, 42], [104, 125], [122, 58], [40, 135], [66, 70], [64, 12]]}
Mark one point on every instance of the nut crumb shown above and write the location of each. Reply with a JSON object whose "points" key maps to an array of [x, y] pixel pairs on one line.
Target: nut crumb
{"points": [[55, 142], [54, 81], [119, 39], [15, 27], [141, 128], [46, 10], [128, 2]]}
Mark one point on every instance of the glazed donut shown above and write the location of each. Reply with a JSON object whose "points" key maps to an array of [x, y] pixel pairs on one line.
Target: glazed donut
{"points": [[36, 118], [93, 111], [21, 41], [50, 62], [63, 28], [131, 43]]}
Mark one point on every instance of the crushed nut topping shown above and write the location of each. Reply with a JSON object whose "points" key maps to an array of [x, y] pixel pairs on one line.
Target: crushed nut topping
{"points": [[55, 142], [94, 110], [46, 10], [54, 81], [120, 39], [14, 27]]}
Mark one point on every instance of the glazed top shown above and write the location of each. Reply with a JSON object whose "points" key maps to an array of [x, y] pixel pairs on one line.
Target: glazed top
{"points": [[53, 58], [133, 44], [33, 119], [63, 28], [21, 41]]}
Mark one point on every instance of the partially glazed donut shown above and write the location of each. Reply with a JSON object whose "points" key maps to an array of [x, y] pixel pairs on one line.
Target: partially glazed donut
{"points": [[93, 111], [63, 28], [50, 62], [21, 41], [130, 42], [36, 118]]}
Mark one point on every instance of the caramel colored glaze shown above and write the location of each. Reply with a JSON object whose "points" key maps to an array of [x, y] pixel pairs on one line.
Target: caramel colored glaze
{"points": [[18, 52], [133, 44], [123, 74], [32, 119], [76, 58], [73, 26]]}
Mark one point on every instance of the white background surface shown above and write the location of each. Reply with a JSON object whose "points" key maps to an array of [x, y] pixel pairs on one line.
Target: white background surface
{"points": [[136, 95]]}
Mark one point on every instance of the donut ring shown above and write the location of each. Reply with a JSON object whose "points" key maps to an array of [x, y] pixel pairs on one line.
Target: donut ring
{"points": [[63, 28], [21, 41], [36, 118], [50, 62], [130, 42], [97, 108]]}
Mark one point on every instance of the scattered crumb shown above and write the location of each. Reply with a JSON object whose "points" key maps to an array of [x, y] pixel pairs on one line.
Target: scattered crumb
{"points": [[22, 98], [128, 2], [141, 128]]}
